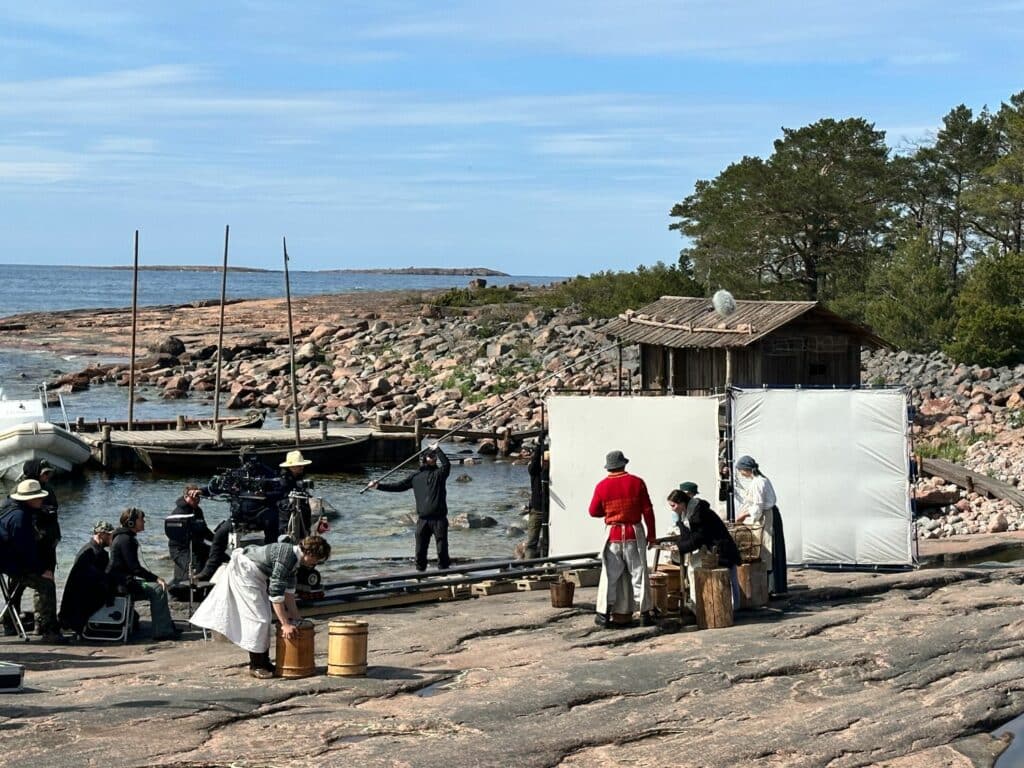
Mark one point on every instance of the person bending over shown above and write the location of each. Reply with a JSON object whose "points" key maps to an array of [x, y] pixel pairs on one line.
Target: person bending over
{"points": [[260, 585]]}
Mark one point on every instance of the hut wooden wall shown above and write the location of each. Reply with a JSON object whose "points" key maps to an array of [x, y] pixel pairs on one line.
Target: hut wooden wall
{"points": [[783, 359]]}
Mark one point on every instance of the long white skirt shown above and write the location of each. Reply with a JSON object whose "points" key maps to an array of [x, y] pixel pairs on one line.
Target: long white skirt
{"points": [[624, 586], [238, 607]]}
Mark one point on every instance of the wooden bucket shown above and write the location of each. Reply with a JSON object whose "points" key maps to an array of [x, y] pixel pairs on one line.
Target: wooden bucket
{"points": [[294, 657], [672, 578], [562, 593], [659, 591], [713, 590], [346, 648]]}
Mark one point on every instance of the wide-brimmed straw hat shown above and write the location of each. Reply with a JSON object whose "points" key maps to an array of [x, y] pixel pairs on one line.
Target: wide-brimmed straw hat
{"points": [[295, 459], [28, 490]]}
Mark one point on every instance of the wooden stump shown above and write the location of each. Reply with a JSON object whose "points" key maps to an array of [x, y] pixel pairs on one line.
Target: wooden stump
{"points": [[753, 580], [713, 589]]}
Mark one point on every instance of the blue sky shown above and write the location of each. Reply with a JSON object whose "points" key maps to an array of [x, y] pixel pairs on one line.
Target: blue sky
{"points": [[542, 138]]}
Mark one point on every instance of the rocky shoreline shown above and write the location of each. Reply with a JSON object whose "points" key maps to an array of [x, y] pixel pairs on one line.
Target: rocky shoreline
{"points": [[909, 670], [400, 358]]}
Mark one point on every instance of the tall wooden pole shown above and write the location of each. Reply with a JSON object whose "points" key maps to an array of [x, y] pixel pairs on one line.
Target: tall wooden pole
{"points": [[135, 322], [220, 333], [291, 343]]}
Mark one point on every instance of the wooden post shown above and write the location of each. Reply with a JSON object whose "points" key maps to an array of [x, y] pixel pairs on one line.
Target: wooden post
{"points": [[79, 423], [220, 332], [713, 590], [323, 429], [291, 343], [218, 428], [417, 433], [753, 581], [179, 422], [504, 442], [105, 447], [135, 325]]}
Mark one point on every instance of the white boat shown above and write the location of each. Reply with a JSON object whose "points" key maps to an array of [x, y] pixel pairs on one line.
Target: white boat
{"points": [[26, 434]]}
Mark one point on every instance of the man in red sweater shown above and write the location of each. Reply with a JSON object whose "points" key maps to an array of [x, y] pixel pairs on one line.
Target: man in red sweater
{"points": [[622, 500]]}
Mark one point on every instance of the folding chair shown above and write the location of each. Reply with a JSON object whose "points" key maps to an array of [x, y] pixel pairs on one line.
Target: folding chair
{"points": [[112, 623], [8, 586]]}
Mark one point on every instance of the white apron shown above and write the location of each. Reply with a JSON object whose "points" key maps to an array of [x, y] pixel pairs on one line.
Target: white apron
{"points": [[624, 586], [239, 606]]}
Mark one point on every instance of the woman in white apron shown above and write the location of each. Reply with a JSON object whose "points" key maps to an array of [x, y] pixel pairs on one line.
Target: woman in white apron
{"points": [[760, 507], [260, 585]]}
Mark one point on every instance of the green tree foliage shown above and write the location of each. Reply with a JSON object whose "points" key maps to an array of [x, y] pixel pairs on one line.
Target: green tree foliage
{"points": [[997, 201], [934, 183], [911, 298], [807, 223], [606, 294], [989, 312]]}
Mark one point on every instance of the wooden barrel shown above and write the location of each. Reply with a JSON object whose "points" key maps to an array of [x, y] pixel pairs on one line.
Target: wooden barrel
{"points": [[659, 591], [562, 593], [346, 648], [672, 578], [753, 581], [294, 657], [713, 591]]}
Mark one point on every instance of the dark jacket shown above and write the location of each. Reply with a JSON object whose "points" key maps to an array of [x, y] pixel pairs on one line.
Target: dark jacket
{"points": [[428, 485], [88, 587], [705, 529], [45, 519], [199, 530], [540, 477], [19, 545], [124, 559]]}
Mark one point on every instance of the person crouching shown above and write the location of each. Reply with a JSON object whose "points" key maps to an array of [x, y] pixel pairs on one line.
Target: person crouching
{"points": [[260, 586]]}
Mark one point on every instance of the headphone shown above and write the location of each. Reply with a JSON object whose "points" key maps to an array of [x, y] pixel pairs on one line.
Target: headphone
{"points": [[134, 513]]}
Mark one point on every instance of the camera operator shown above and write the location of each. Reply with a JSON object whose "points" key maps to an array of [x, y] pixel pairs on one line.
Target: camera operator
{"points": [[188, 534], [295, 496], [254, 493]]}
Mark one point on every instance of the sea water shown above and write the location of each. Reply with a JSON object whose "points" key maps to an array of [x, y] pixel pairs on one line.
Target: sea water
{"points": [[371, 534]]}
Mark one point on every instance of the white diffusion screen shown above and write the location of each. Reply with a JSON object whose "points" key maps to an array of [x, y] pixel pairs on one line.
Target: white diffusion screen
{"points": [[839, 462], [667, 440]]}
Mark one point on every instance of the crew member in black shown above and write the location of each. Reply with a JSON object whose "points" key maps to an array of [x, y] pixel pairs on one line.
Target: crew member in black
{"points": [[89, 586], [126, 571], [537, 523], [428, 486], [187, 538]]}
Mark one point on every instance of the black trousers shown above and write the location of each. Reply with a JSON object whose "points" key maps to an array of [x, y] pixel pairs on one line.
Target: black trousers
{"points": [[438, 528]]}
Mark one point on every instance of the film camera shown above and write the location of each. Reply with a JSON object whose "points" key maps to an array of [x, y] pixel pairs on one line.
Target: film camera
{"points": [[252, 491]]}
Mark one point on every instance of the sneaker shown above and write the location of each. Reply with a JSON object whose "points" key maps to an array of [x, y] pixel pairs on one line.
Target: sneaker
{"points": [[261, 673]]}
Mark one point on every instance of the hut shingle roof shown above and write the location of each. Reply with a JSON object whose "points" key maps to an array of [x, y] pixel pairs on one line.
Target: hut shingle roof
{"points": [[687, 322]]}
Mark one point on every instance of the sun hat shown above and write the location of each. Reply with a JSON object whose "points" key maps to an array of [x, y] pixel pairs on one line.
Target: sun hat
{"points": [[102, 526], [746, 462], [688, 487], [615, 460], [295, 459], [28, 490]]}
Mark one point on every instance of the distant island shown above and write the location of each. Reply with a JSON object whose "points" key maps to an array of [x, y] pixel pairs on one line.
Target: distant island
{"points": [[470, 271]]}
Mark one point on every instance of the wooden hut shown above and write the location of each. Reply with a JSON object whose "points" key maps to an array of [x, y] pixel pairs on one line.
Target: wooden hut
{"points": [[686, 347]]}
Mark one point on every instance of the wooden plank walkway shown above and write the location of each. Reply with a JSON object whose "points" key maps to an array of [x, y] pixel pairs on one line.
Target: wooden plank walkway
{"points": [[171, 438]]}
